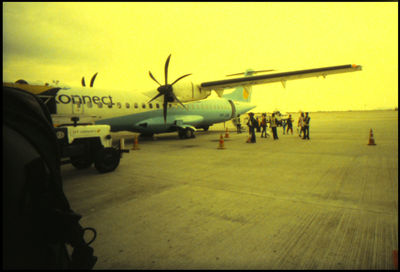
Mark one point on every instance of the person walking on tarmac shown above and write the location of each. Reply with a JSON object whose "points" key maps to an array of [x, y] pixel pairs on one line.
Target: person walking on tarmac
{"points": [[258, 124], [273, 126], [300, 123], [306, 127], [283, 122], [289, 124], [252, 123], [264, 126]]}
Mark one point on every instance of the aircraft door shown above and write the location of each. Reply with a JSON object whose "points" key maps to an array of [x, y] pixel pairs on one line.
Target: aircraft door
{"points": [[233, 109]]}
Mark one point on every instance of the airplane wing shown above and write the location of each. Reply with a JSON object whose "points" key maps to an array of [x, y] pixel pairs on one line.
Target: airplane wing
{"points": [[278, 77]]}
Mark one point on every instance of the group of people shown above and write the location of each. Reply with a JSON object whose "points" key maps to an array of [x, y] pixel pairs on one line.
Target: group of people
{"points": [[255, 124], [304, 125]]}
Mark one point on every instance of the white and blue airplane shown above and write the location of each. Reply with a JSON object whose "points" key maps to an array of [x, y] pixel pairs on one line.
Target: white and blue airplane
{"points": [[185, 101]]}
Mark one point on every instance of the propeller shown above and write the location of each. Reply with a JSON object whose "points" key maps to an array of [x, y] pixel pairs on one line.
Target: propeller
{"points": [[167, 90], [91, 81]]}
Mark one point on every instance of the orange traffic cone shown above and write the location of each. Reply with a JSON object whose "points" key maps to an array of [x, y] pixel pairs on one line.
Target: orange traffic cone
{"points": [[135, 144], [371, 138], [221, 143], [227, 133]]}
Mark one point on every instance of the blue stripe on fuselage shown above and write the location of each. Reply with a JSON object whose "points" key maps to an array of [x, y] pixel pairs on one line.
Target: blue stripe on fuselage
{"points": [[199, 113]]}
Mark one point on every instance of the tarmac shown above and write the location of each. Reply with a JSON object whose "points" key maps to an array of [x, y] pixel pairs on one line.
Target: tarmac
{"points": [[330, 202]]}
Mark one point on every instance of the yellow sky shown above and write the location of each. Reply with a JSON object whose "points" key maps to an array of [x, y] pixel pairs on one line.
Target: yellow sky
{"points": [[123, 41]]}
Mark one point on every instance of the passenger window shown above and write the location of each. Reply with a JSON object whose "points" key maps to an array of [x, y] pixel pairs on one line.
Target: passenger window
{"points": [[100, 105], [119, 105], [143, 105], [89, 104], [136, 105], [127, 105], [157, 106], [150, 106]]}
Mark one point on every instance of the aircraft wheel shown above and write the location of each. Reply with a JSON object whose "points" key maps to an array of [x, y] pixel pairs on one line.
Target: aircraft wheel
{"points": [[181, 134], [189, 133], [107, 159], [81, 162]]}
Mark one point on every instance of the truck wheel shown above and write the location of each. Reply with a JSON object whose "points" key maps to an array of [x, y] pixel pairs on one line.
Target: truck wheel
{"points": [[81, 162], [106, 160]]}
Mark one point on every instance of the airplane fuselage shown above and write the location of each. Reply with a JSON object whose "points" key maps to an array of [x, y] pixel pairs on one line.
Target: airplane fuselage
{"points": [[125, 111]]}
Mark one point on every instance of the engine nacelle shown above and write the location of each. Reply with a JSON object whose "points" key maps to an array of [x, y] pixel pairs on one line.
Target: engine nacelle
{"points": [[188, 91]]}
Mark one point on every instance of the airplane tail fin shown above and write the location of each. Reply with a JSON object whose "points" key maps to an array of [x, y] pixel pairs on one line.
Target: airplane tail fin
{"points": [[242, 93]]}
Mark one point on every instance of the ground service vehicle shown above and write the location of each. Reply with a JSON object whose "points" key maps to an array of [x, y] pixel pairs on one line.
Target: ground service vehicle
{"points": [[83, 145]]}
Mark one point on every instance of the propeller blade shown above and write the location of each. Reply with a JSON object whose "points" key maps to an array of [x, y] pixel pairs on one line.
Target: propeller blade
{"points": [[154, 78], [176, 98], [165, 104], [180, 78], [167, 90], [92, 81], [83, 82], [158, 95], [166, 69]]}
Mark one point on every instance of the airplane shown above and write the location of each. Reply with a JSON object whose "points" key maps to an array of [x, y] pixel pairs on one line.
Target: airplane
{"points": [[184, 100]]}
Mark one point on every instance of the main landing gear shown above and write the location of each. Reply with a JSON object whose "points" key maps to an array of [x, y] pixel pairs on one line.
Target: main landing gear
{"points": [[186, 133]]}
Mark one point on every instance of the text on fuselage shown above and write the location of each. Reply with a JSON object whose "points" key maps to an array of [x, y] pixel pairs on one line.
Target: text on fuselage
{"points": [[78, 99]]}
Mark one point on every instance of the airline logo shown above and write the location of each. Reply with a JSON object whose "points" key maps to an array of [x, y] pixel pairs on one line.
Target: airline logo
{"points": [[246, 93], [78, 99]]}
